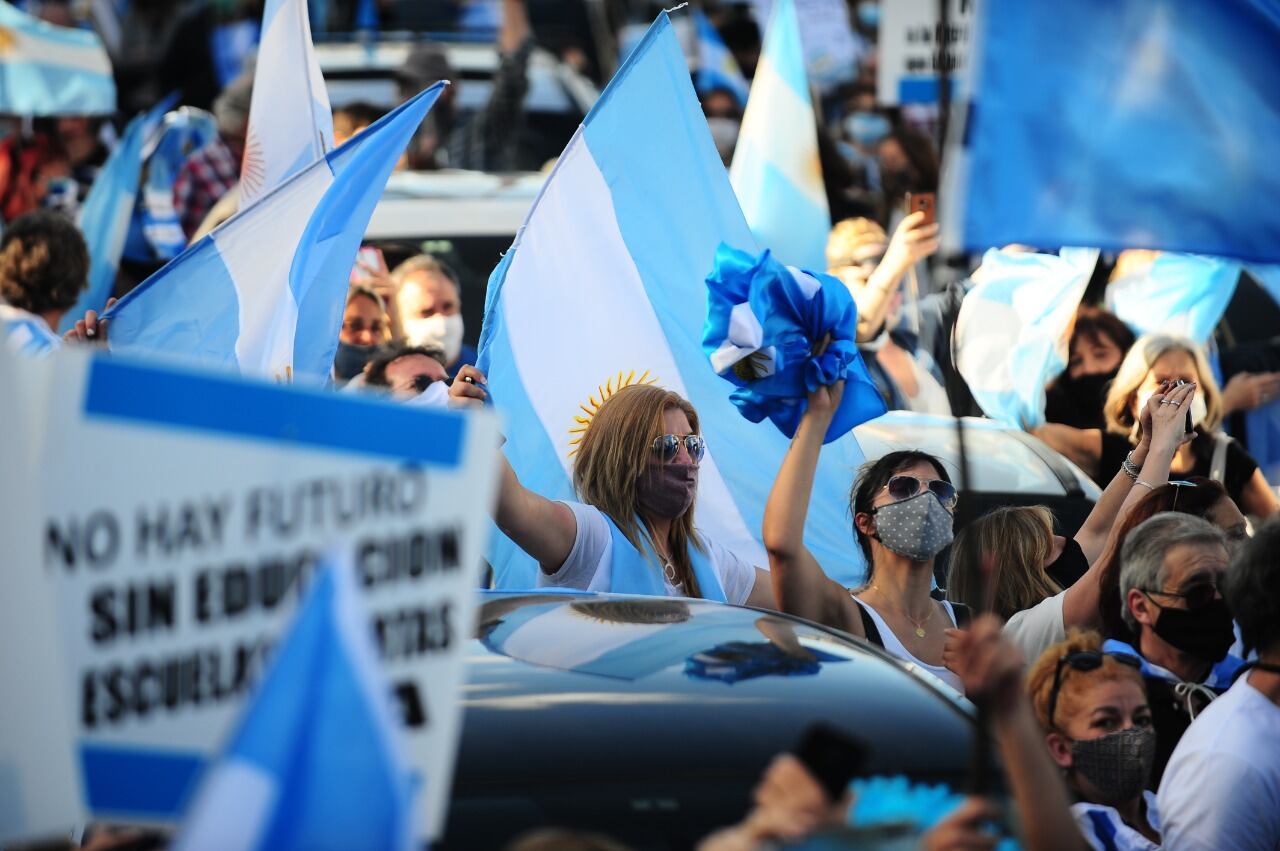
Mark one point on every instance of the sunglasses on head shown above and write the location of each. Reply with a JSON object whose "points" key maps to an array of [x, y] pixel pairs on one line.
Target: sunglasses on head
{"points": [[667, 446], [905, 487], [1177, 486], [1084, 660]]}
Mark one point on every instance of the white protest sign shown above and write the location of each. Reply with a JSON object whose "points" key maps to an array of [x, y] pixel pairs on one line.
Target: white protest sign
{"points": [[39, 796], [908, 61], [185, 512]]}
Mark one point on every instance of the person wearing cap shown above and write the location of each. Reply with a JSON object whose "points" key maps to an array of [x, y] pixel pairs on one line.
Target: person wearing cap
{"points": [[488, 139], [210, 172]]}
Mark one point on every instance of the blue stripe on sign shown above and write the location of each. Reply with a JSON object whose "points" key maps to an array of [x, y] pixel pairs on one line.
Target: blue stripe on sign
{"points": [[137, 781], [257, 410], [921, 89]]}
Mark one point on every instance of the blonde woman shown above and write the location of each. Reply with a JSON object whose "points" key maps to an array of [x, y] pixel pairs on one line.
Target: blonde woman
{"points": [[636, 474], [1156, 362]]}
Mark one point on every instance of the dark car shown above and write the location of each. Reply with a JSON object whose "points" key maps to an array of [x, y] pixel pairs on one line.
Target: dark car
{"points": [[651, 719]]}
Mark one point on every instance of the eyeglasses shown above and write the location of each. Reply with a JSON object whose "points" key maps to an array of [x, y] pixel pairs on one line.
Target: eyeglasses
{"points": [[1177, 489], [1084, 660], [667, 446], [905, 487], [1197, 596]]}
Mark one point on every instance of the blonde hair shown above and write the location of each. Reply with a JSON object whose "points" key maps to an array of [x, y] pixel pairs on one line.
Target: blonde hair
{"points": [[1072, 683], [1148, 349], [1017, 540], [613, 454], [854, 241]]}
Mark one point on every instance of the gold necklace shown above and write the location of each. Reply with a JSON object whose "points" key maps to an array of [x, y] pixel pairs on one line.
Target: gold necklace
{"points": [[919, 625]]}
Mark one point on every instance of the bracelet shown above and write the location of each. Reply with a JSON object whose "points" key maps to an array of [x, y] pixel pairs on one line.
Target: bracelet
{"points": [[1129, 468], [1144, 484]]}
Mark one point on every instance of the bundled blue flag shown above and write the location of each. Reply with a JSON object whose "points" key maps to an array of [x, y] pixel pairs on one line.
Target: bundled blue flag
{"points": [[1121, 124], [315, 760], [156, 233], [764, 320], [1183, 294], [717, 69], [264, 293], [49, 70], [108, 211], [601, 288], [776, 172], [1013, 331]]}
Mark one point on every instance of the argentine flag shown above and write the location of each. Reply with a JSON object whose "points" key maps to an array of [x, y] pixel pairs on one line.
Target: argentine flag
{"points": [[315, 760], [49, 70], [264, 293], [1014, 328], [717, 69], [604, 283], [1183, 294], [108, 211], [775, 172], [290, 121]]}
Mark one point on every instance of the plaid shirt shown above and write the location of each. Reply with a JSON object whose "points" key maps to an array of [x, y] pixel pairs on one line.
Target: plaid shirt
{"points": [[205, 177]]}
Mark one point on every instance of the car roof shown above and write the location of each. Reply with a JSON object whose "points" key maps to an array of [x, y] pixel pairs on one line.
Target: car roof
{"points": [[454, 203], [571, 695], [1001, 459]]}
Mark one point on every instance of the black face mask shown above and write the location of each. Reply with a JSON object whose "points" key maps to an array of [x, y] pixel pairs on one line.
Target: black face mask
{"points": [[349, 360], [1070, 565], [1077, 402], [1206, 633]]}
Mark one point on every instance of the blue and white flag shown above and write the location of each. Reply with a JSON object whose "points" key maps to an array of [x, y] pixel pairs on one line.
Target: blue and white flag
{"points": [[776, 172], [316, 759], [290, 121], [1121, 125], [604, 283], [264, 293], [157, 232], [1014, 328], [717, 69], [26, 333], [108, 211], [1183, 294], [51, 70]]}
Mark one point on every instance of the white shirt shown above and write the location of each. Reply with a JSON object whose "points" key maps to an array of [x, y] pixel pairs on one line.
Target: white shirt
{"points": [[586, 567], [1221, 789], [896, 648], [1035, 629], [1104, 830]]}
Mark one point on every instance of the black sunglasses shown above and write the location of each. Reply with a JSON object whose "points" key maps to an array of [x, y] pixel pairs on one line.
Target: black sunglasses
{"points": [[667, 446], [905, 487], [1084, 660], [422, 382], [1197, 596]]}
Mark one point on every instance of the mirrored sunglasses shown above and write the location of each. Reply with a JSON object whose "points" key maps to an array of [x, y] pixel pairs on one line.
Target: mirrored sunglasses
{"points": [[905, 487], [667, 446]]}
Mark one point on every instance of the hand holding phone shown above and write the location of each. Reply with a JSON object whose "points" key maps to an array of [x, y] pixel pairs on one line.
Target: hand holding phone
{"points": [[923, 202]]}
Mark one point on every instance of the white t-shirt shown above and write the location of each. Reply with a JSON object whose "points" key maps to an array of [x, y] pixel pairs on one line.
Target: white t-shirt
{"points": [[587, 566], [896, 647], [1038, 627], [1221, 789]]}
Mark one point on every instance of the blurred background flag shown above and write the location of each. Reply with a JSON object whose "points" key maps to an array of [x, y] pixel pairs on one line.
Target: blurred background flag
{"points": [[1183, 294], [314, 761], [108, 210], [367, 16], [717, 69], [604, 283], [50, 70], [290, 121], [1136, 125], [264, 293], [1014, 326], [775, 172]]}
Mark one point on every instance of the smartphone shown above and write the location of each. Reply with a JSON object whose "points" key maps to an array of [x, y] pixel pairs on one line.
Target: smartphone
{"points": [[832, 757], [922, 202], [369, 262], [1190, 426]]}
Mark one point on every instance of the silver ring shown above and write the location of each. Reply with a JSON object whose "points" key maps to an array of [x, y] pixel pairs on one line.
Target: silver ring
{"points": [[1166, 402], [1175, 404], [468, 379]]}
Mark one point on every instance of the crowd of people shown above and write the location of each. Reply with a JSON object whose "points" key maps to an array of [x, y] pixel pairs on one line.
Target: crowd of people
{"points": [[1131, 668]]}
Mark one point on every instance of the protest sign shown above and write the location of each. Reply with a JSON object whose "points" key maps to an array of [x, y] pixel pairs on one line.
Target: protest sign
{"points": [[909, 59], [185, 513]]}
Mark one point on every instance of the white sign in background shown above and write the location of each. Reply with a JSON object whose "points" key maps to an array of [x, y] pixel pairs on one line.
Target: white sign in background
{"points": [[182, 516], [908, 63]]}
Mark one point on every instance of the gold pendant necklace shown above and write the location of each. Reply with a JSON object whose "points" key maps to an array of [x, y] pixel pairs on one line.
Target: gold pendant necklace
{"points": [[919, 625]]}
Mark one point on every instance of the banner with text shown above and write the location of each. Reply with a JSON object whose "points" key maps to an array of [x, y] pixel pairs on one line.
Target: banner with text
{"points": [[910, 59]]}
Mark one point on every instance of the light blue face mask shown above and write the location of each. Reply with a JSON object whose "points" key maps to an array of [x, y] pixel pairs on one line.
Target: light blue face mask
{"points": [[869, 14], [866, 128]]}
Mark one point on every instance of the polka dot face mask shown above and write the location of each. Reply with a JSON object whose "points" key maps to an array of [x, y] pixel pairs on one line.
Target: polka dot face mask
{"points": [[916, 528]]}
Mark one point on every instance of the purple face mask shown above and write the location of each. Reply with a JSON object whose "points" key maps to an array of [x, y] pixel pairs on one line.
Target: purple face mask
{"points": [[667, 490]]}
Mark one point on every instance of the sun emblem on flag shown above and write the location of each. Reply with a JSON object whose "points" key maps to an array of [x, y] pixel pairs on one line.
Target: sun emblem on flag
{"points": [[603, 393], [7, 40], [253, 168]]}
